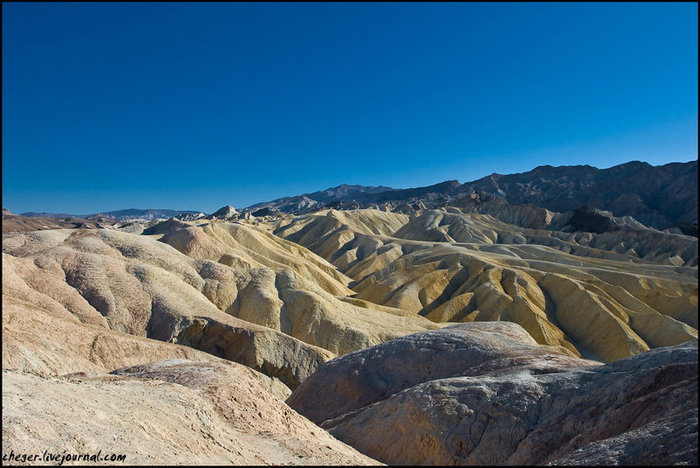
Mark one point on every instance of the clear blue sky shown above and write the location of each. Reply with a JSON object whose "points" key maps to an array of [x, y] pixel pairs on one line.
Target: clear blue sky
{"points": [[193, 106]]}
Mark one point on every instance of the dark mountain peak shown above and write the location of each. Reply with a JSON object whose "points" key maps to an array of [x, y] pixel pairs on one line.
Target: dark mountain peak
{"points": [[544, 167], [265, 212], [690, 165], [439, 187], [635, 164], [320, 198], [225, 212], [549, 169], [590, 219]]}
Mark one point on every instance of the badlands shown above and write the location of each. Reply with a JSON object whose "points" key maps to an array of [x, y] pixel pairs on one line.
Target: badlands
{"points": [[468, 330]]}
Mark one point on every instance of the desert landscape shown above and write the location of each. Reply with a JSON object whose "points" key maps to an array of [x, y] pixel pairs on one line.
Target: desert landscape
{"points": [[438, 326], [349, 233]]}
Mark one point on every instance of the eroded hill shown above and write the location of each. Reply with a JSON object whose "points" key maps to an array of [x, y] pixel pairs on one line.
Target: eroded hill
{"points": [[606, 296], [374, 319]]}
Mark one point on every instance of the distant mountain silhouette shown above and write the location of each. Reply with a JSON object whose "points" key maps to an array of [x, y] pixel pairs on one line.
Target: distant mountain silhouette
{"points": [[44, 214], [657, 196], [320, 199], [131, 213]]}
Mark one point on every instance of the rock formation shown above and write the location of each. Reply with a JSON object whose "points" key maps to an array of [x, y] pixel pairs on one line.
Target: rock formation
{"points": [[226, 212], [167, 412], [132, 285], [137, 285], [485, 394], [605, 296], [190, 216]]}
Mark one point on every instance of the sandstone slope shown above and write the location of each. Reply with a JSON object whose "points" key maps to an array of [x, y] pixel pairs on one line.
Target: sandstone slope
{"points": [[96, 282], [78, 304], [231, 290], [166, 412], [267, 280]]}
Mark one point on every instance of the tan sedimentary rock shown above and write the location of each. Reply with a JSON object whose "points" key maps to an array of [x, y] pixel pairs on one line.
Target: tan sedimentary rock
{"points": [[506, 402], [281, 285], [166, 412], [637, 292], [356, 380], [140, 286], [129, 284]]}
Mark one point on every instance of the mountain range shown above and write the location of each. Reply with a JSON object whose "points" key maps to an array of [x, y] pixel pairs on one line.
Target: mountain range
{"points": [[657, 196], [120, 215], [660, 197]]}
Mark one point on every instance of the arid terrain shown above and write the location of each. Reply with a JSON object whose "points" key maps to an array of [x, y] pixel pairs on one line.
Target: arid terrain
{"points": [[500, 321]]}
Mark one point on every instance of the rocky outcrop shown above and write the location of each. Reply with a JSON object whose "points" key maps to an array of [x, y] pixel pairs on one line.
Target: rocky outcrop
{"points": [[360, 379], [167, 412], [190, 216], [528, 216], [589, 219], [266, 211], [163, 227], [482, 394], [688, 229], [226, 212]]}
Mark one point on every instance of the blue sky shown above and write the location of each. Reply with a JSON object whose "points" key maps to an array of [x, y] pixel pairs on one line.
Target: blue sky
{"points": [[194, 106]]}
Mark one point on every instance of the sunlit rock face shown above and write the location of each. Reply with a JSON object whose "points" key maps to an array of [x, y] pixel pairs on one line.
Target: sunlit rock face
{"points": [[232, 290], [485, 394], [176, 411]]}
